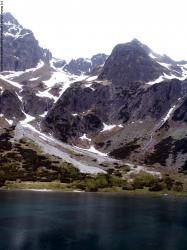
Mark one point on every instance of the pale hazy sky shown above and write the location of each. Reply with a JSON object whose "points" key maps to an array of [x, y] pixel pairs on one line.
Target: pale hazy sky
{"points": [[74, 28]]}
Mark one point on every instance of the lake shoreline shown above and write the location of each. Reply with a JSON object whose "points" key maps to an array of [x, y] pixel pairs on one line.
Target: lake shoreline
{"points": [[61, 187]]}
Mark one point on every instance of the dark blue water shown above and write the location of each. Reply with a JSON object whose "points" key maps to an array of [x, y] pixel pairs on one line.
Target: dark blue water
{"points": [[79, 221]]}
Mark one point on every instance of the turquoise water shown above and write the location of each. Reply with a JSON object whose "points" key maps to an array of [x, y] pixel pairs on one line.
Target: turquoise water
{"points": [[85, 221]]}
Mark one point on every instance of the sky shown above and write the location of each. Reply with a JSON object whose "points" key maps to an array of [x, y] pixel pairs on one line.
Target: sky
{"points": [[82, 28]]}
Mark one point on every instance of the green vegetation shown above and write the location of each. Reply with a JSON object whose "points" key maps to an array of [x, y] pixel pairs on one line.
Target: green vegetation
{"points": [[24, 161], [23, 165], [54, 185], [143, 183], [96, 183]]}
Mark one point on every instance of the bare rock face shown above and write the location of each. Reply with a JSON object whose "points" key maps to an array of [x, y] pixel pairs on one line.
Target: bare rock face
{"points": [[98, 60], [180, 114], [149, 118], [130, 62], [59, 63], [35, 105], [10, 105], [85, 66], [109, 104], [21, 49], [158, 99]]}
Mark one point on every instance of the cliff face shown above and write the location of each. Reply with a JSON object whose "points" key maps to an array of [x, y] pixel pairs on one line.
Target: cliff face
{"points": [[32, 80], [130, 62], [21, 49], [81, 65], [121, 110]]}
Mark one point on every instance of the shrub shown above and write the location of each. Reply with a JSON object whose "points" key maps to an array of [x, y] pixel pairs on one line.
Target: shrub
{"points": [[156, 186], [101, 181], [168, 182], [178, 186], [117, 173], [128, 186], [115, 181], [126, 168], [143, 179], [68, 172], [91, 185], [110, 171], [2, 178], [79, 185]]}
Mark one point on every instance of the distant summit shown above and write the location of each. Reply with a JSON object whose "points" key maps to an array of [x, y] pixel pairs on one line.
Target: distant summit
{"points": [[21, 49], [130, 62], [85, 65], [9, 18]]}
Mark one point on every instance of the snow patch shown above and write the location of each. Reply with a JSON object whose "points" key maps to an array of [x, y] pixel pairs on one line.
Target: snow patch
{"points": [[19, 97], [165, 65], [89, 86], [10, 122], [184, 71], [152, 56], [84, 137], [91, 78], [12, 74], [95, 151], [169, 113], [46, 94], [58, 77], [44, 114], [163, 78], [17, 29], [28, 119], [109, 127], [15, 84], [34, 79], [158, 80]]}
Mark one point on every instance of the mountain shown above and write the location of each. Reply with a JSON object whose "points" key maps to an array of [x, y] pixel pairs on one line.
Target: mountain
{"points": [[81, 65], [21, 49], [33, 79], [97, 113], [134, 62], [123, 111]]}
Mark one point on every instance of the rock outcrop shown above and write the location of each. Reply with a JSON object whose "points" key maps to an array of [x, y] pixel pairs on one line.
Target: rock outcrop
{"points": [[85, 66], [21, 49]]}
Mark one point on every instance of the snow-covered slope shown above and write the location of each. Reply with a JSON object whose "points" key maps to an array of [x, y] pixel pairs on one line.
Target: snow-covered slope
{"points": [[35, 89], [175, 70]]}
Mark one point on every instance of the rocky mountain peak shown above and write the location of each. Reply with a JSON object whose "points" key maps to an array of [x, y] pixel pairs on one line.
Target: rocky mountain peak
{"points": [[136, 42], [8, 18], [81, 65], [21, 49], [130, 62]]}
